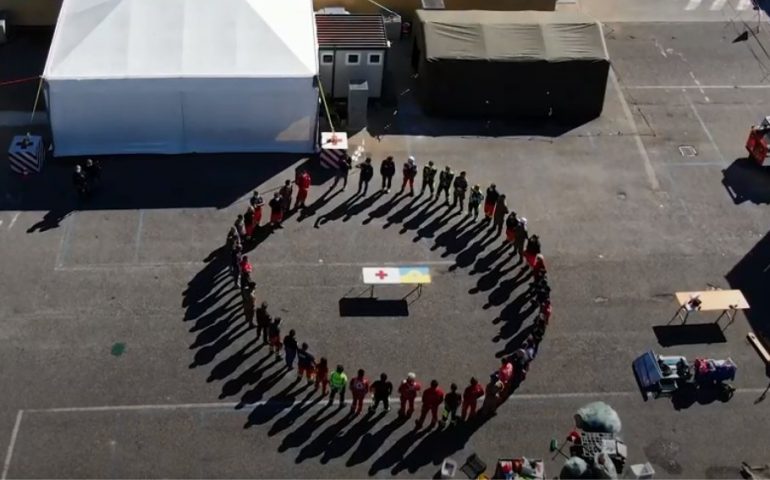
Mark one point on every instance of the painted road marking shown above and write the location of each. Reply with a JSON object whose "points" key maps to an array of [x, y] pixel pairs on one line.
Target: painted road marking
{"points": [[12, 444]]}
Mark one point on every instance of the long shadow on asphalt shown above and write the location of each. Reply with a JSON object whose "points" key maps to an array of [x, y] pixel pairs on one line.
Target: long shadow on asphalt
{"points": [[489, 280], [278, 403], [371, 442], [429, 230], [438, 445], [430, 207], [206, 355], [751, 275], [318, 445], [226, 367], [403, 213], [337, 212], [383, 209], [467, 256], [448, 238], [295, 413], [263, 386], [341, 444], [313, 208], [361, 204], [397, 451], [249, 377], [503, 292], [302, 434], [215, 331]]}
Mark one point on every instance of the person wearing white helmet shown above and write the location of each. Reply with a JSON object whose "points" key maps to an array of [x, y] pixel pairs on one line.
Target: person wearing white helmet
{"points": [[410, 172], [407, 392]]}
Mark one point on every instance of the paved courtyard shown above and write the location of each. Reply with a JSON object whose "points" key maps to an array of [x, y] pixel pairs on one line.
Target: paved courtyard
{"points": [[124, 354]]}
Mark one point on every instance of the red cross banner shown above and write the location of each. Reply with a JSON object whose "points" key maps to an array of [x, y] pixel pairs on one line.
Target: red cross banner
{"points": [[377, 275]]}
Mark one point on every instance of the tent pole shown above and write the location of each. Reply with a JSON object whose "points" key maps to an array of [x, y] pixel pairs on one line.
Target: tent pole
{"points": [[37, 98], [326, 106]]}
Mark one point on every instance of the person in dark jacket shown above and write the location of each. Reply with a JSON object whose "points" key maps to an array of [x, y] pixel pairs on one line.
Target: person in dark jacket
{"points": [[286, 193], [367, 172], [249, 297], [428, 178], [452, 401], [305, 364], [276, 211], [263, 322], [274, 337], [460, 190], [387, 170], [381, 390], [445, 179], [343, 169], [290, 348]]}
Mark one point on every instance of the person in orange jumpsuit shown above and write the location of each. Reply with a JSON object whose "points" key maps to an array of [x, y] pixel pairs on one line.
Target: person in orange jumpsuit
{"points": [[303, 187], [432, 398], [407, 392]]}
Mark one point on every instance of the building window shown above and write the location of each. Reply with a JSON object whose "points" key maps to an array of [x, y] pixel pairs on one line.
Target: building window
{"points": [[375, 59], [352, 59], [327, 58]]}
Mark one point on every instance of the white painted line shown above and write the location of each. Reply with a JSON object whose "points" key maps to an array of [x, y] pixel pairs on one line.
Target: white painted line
{"points": [[705, 129], [696, 164], [368, 400], [692, 5], [651, 177], [138, 237], [98, 267], [64, 241], [13, 220], [698, 87], [717, 5], [12, 444]]}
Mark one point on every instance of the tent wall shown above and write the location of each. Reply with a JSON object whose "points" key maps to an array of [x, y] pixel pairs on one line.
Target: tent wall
{"points": [[408, 7], [172, 116], [568, 89], [572, 89]]}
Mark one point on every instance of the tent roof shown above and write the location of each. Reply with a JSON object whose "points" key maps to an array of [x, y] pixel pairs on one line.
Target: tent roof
{"points": [[183, 38], [511, 36]]}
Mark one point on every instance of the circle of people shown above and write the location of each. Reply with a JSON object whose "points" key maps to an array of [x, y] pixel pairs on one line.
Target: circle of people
{"points": [[335, 382]]}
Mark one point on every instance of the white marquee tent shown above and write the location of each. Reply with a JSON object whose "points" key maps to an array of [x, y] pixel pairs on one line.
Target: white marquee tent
{"points": [[178, 76]]}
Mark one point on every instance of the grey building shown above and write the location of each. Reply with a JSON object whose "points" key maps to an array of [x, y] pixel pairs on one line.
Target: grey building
{"points": [[351, 48]]}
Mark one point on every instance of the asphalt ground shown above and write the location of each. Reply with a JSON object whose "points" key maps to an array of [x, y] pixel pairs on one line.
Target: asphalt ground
{"points": [[124, 354]]}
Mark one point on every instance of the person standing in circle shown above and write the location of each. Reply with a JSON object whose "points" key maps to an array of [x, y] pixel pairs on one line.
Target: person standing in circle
{"points": [[303, 182], [410, 172], [490, 202], [338, 381], [322, 376], [276, 211], [359, 387], [305, 363], [431, 400], [501, 210], [428, 178], [445, 179], [290, 348], [367, 172], [474, 201], [471, 396], [381, 389], [387, 171], [407, 392]]}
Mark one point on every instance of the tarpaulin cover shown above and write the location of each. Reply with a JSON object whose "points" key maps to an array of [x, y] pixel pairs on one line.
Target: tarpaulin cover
{"points": [[598, 417], [513, 63]]}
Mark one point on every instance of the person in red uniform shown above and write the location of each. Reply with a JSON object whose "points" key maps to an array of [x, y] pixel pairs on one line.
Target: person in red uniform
{"points": [[407, 392], [248, 221], [505, 373], [471, 396], [276, 211], [359, 387], [322, 376], [303, 187], [431, 400], [257, 202], [410, 172]]}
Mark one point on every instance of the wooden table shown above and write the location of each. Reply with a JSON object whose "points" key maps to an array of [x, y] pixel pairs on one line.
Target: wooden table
{"points": [[726, 301]]}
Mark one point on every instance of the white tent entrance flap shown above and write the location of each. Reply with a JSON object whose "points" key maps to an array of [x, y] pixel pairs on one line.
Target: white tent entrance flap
{"points": [[181, 76]]}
